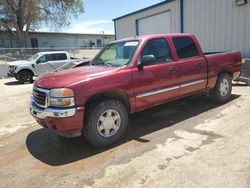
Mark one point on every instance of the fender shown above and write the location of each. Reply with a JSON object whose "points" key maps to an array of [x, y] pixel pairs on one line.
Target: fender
{"points": [[26, 67]]}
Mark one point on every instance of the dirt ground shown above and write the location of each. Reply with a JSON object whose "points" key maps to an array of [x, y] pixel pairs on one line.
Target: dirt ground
{"points": [[14, 107], [191, 142]]}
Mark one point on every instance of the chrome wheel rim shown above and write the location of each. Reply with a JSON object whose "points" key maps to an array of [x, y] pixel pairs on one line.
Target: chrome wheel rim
{"points": [[109, 123], [224, 87]]}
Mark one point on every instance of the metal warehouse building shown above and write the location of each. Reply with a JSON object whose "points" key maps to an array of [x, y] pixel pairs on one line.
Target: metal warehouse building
{"points": [[219, 25]]}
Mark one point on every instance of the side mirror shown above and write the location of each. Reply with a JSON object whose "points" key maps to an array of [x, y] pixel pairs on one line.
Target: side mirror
{"points": [[38, 61], [146, 60]]}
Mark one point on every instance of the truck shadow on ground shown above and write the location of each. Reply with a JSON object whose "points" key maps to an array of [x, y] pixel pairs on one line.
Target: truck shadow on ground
{"points": [[49, 148], [14, 83], [241, 84]]}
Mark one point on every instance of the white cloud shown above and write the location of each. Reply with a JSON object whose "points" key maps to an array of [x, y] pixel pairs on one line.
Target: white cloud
{"points": [[94, 27]]}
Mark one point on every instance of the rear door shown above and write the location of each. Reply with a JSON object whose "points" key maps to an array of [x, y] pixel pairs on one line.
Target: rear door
{"points": [[158, 82], [192, 65], [58, 59]]}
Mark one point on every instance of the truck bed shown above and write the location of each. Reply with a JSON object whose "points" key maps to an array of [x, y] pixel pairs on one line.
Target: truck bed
{"points": [[210, 53], [222, 61]]}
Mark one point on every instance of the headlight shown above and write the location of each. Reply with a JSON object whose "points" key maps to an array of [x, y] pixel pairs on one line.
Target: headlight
{"points": [[12, 68], [61, 97]]}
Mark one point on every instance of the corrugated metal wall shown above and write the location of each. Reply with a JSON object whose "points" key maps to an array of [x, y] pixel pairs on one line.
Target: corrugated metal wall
{"points": [[219, 25], [126, 27]]}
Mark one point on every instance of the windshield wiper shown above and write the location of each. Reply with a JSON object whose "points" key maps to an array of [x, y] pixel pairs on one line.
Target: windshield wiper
{"points": [[101, 62]]}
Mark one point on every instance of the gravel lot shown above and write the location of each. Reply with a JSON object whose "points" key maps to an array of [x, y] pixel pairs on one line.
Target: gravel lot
{"points": [[188, 143]]}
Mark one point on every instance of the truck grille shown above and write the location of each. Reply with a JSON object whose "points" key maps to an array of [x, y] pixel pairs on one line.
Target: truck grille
{"points": [[40, 96]]}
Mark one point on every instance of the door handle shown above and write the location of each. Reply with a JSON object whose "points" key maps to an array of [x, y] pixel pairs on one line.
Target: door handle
{"points": [[199, 65], [173, 70]]}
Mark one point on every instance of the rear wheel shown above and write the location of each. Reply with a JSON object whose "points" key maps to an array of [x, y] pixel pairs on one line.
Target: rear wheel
{"points": [[25, 76], [105, 123], [223, 88]]}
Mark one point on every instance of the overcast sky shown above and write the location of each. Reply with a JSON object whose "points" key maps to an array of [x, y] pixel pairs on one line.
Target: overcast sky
{"points": [[98, 15]]}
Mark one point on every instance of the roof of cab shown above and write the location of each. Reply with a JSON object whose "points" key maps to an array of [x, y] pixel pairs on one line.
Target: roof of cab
{"points": [[152, 36], [52, 52]]}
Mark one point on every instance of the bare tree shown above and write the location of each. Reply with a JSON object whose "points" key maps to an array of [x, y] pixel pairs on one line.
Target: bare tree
{"points": [[18, 17]]}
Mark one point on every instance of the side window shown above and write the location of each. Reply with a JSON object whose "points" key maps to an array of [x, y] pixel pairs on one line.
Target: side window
{"points": [[49, 57], [61, 56], [42, 59], [185, 47], [159, 48]]}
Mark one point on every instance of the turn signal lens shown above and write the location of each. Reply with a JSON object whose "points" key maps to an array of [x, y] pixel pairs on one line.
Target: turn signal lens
{"points": [[66, 103], [61, 102], [68, 93]]}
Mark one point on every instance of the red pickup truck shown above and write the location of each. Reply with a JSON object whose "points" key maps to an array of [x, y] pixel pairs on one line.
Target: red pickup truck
{"points": [[128, 76]]}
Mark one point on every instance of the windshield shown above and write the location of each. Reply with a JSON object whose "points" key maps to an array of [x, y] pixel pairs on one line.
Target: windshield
{"points": [[116, 54], [34, 57]]}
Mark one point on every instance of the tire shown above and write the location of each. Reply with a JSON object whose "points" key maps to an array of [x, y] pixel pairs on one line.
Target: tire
{"points": [[223, 88], [248, 82], [105, 122], [25, 76]]}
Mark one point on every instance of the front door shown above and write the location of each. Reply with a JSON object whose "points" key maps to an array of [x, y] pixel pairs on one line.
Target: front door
{"points": [[41, 66], [99, 43], [158, 82], [34, 43]]}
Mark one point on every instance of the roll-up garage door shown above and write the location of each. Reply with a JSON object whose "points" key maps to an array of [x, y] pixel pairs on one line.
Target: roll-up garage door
{"points": [[155, 24]]}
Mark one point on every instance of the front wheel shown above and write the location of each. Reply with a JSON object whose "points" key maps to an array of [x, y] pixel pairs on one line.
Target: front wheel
{"points": [[25, 76], [106, 122], [223, 88]]}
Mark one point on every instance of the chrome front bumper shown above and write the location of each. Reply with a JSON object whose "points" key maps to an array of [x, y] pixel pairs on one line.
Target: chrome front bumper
{"points": [[42, 113]]}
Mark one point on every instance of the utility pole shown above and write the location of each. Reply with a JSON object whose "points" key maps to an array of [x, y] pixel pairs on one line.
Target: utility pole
{"points": [[102, 33]]}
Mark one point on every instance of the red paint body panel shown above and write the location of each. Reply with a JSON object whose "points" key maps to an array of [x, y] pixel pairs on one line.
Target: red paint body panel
{"points": [[138, 84], [228, 61], [64, 78]]}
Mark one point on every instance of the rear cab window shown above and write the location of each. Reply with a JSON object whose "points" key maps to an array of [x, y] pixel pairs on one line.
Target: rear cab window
{"points": [[159, 48], [185, 47]]}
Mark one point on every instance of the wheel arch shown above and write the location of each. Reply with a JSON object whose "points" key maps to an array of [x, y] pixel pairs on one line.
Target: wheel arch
{"points": [[225, 70], [119, 95], [26, 69]]}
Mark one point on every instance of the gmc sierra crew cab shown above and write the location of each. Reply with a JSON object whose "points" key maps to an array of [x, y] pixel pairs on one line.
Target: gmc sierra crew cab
{"points": [[128, 76]]}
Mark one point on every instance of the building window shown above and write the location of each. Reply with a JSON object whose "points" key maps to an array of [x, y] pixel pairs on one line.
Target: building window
{"points": [[2, 43]]}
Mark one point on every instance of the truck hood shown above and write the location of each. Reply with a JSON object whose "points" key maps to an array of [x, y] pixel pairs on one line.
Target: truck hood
{"points": [[64, 78], [20, 62]]}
